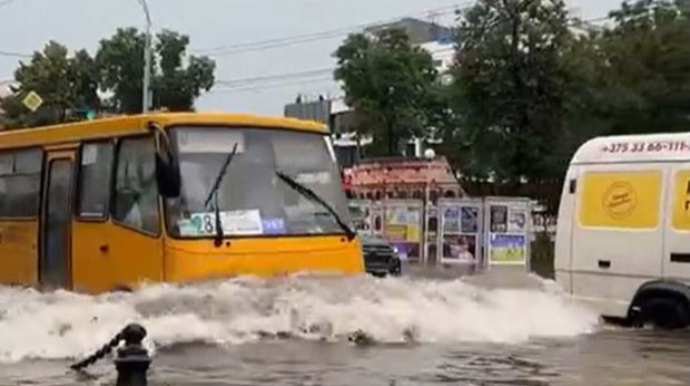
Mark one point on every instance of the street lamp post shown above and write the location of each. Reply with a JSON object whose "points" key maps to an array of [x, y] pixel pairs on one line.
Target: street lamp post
{"points": [[430, 155], [147, 59]]}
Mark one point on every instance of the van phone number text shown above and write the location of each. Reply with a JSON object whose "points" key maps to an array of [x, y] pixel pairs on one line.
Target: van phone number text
{"points": [[644, 147]]}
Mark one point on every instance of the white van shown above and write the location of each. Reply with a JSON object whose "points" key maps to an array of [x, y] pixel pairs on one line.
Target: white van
{"points": [[623, 235]]}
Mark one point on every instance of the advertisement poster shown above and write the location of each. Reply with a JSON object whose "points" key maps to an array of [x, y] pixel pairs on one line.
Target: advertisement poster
{"points": [[499, 219], [407, 251], [510, 227], [460, 240], [517, 221], [460, 248], [403, 223], [403, 230], [508, 249], [451, 220], [470, 219]]}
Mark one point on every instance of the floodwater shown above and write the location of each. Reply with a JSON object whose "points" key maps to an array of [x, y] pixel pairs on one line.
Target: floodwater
{"points": [[485, 330]]}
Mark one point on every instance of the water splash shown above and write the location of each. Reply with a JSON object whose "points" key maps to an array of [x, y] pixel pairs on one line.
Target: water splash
{"points": [[64, 325]]}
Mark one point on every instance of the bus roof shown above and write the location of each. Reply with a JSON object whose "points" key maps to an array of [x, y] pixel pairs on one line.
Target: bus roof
{"points": [[133, 124], [666, 147]]}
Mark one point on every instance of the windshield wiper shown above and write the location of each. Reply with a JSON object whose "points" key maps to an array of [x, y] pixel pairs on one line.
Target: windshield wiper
{"points": [[213, 193], [312, 196]]}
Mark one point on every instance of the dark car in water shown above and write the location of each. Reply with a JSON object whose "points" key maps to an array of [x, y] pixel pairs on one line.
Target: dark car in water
{"points": [[380, 258]]}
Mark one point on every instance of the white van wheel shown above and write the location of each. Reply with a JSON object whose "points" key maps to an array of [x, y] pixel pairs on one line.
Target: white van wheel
{"points": [[663, 312]]}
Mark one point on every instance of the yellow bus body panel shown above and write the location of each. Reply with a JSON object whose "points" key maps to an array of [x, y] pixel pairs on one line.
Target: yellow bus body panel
{"points": [[107, 256], [188, 261], [131, 125], [19, 252]]}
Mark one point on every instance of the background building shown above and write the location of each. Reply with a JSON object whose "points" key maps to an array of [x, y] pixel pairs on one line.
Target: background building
{"points": [[402, 178], [349, 146]]}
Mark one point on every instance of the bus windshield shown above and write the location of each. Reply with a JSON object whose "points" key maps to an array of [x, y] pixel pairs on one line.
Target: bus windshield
{"points": [[251, 198]]}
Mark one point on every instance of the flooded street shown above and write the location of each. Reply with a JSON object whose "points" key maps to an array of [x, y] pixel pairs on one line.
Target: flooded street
{"points": [[295, 331]]}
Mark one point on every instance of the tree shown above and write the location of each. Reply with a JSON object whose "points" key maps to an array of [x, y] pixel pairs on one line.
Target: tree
{"points": [[174, 86], [121, 64], [70, 85], [510, 88], [647, 73], [64, 83], [389, 83]]}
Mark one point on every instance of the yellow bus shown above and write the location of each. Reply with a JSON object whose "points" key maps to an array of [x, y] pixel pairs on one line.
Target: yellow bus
{"points": [[110, 204]]}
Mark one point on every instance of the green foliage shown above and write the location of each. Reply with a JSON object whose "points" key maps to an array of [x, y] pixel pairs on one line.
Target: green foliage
{"points": [[175, 87], [121, 63], [391, 85], [510, 87], [532, 86], [71, 83], [63, 82], [647, 71]]}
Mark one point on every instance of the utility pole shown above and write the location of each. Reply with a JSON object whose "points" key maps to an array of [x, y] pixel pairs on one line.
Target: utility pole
{"points": [[146, 94], [433, 20]]}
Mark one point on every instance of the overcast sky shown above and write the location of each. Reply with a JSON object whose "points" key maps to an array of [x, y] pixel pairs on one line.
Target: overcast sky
{"points": [[26, 25]]}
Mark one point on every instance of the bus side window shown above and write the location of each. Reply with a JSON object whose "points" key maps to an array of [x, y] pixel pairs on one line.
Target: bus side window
{"points": [[20, 183], [136, 192], [95, 180]]}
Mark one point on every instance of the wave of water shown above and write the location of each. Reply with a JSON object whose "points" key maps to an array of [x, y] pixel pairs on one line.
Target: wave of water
{"points": [[65, 325]]}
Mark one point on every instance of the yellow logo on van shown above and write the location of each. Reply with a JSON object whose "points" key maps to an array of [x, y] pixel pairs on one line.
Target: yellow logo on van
{"points": [[620, 200], [625, 199]]}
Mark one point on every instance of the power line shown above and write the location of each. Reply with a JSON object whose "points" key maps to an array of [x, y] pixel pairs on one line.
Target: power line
{"points": [[6, 2], [272, 86], [314, 36], [310, 73], [14, 54], [238, 84], [299, 39], [328, 33], [287, 41], [253, 83]]}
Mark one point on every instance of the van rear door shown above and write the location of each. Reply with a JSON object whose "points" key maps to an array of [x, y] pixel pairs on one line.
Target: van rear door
{"points": [[676, 257], [564, 232]]}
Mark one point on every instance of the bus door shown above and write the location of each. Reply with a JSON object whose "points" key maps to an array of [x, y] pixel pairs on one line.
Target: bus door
{"points": [[117, 229], [54, 267]]}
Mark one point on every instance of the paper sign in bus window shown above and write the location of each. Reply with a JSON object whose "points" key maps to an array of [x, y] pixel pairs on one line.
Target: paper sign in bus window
{"points": [[245, 223], [219, 141]]}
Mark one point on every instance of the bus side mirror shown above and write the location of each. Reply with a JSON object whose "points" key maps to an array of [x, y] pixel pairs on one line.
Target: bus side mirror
{"points": [[167, 167], [167, 175]]}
